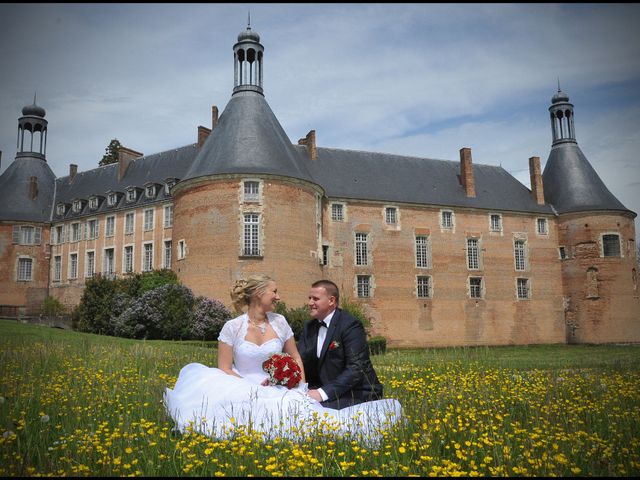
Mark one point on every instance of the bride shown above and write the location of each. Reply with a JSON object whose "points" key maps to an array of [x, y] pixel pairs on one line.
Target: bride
{"points": [[237, 395]]}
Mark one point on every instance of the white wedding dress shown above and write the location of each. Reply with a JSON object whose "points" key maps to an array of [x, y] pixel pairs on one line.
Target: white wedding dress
{"points": [[209, 401]]}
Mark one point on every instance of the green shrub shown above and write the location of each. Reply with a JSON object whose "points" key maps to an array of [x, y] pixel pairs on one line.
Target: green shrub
{"points": [[94, 312], [355, 309], [51, 307], [377, 345]]}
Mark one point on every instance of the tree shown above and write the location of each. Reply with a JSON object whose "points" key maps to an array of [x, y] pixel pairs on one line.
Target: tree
{"points": [[111, 155]]}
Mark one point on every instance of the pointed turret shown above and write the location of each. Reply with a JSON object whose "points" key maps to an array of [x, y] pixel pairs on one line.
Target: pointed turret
{"points": [[570, 182], [248, 137], [27, 185]]}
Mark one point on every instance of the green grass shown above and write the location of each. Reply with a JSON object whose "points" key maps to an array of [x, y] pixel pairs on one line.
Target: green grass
{"points": [[74, 404]]}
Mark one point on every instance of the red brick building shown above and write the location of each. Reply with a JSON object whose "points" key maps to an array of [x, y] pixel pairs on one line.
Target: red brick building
{"points": [[439, 252]]}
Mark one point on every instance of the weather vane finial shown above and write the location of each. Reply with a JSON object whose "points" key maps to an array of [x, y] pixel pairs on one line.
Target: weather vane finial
{"points": [[249, 19], [558, 83]]}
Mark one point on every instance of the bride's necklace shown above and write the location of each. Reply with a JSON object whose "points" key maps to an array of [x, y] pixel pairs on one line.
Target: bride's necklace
{"points": [[261, 326]]}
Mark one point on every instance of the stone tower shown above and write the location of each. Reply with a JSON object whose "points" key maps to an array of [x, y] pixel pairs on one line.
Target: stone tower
{"points": [[27, 190], [596, 241]]}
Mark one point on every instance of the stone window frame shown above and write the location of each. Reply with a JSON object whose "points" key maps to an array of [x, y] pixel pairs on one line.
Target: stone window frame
{"points": [[112, 199], [451, 223], [128, 266], [105, 270], [391, 217], [251, 232], [148, 225], [251, 197], [25, 260], [92, 226], [147, 257], [57, 268], [78, 231], [72, 273], [110, 232], [474, 264], [602, 245], [167, 219], [57, 234], [428, 257], [471, 289], [542, 221], [167, 254], [500, 227], [181, 249], [519, 291], [130, 214], [429, 286], [93, 202], [339, 213], [361, 249], [364, 286], [87, 264], [61, 209]]}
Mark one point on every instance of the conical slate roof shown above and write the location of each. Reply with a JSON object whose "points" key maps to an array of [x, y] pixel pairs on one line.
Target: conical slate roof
{"points": [[249, 140], [572, 185], [15, 202]]}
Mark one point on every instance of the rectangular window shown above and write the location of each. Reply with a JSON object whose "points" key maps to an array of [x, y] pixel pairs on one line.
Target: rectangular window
{"points": [[148, 219], [60, 209], [391, 215], [112, 199], [251, 191], [91, 264], [147, 259], [364, 286], [251, 237], [57, 268], [128, 259], [73, 265], [93, 203], [150, 191], [109, 268], [131, 195], [25, 269], [447, 219], [542, 228], [168, 216], [167, 254], [75, 232], [424, 287], [325, 255], [496, 222], [475, 287], [562, 253], [28, 235], [423, 251], [519, 253], [473, 254], [361, 249], [611, 245], [57, 236], [92, 229], [523, 288], [110, 227], [182, 250], [337, 212], [129, 222]]}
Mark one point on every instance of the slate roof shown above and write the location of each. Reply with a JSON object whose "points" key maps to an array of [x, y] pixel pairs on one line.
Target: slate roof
{"points": [[572, 185], [248, 139], [15, 203], [156, 168], [385, 177]]}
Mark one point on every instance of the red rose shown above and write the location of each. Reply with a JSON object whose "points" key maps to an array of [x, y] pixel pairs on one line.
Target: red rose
{"points": [[333, 345], [282, 370]]}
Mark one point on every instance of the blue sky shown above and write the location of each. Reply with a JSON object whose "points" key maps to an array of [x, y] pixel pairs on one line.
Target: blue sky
{"points": [[417, 79]]}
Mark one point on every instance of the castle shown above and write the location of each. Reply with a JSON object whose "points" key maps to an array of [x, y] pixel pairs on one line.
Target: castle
{"points": [[439, 253]]}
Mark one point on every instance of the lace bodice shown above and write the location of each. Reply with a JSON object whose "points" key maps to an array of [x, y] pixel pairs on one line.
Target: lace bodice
{"points": [[247, 356]]}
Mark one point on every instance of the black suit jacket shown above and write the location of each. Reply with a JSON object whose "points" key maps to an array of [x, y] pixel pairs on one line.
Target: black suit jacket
{"points": [[344, 370]]}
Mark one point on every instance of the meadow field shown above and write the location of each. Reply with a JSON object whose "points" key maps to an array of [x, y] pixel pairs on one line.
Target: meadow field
{"points": [[75, 404]]}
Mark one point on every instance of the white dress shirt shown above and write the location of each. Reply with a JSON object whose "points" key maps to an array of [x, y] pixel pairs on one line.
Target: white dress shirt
{"points": [[322, 334]]}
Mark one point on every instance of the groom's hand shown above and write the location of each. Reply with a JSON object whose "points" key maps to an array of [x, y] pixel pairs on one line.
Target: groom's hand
{"points": [[314, 394]]}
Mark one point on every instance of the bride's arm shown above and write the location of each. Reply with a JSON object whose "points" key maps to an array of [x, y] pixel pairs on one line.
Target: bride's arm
{"points": [[291, 348], [225, 359]]}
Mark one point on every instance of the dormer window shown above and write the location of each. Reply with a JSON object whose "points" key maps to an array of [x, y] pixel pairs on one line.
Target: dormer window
{"points": [[77, 206], [150, 191], [168, 186], [131, 195], [112, 199], [60, 209], [251, 191], [93, 203]]}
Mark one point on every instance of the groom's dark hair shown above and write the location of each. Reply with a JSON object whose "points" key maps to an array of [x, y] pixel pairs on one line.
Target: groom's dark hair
{"points": [[330, 287]]}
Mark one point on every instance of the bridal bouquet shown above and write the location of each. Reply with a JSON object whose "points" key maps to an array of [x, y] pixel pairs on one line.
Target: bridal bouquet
{"points": [[282, 370]]}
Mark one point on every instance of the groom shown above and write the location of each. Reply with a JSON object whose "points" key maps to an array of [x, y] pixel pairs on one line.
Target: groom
{"points": [[335, 353]]}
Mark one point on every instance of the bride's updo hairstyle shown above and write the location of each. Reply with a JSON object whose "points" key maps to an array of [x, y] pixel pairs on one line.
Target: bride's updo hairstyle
{"points": [[244, 289]]}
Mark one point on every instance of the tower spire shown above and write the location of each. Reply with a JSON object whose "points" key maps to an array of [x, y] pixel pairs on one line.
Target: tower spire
{"points": [[248, 54], [561, 111]]}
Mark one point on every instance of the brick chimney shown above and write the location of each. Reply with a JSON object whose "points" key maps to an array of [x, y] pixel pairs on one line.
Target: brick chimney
{"points": [[203, 133], [125, 157], [33, 187], [537, 190], [466, 172], [214, 117], [73, 169], [310, 142]]}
